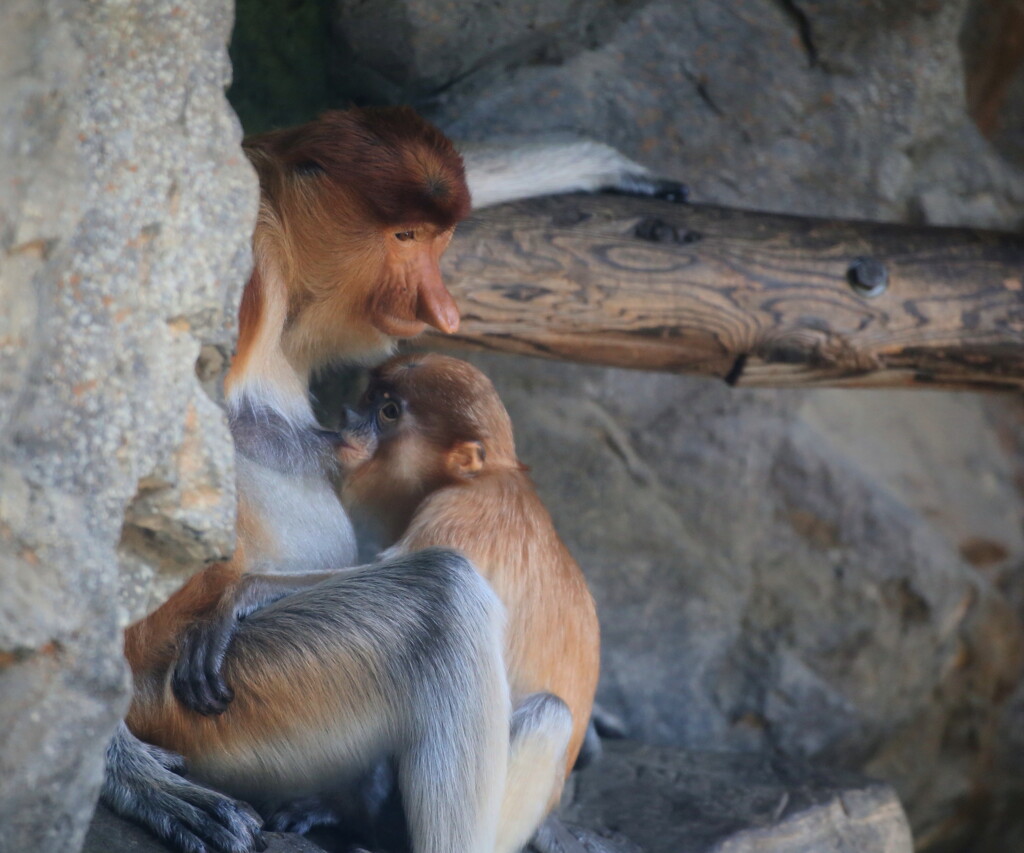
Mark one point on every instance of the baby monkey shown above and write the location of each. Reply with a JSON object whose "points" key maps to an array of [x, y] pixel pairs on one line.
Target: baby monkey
{"points": [[429, 460]]}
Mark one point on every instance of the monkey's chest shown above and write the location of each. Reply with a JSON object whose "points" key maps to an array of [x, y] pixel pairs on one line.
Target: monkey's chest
{"points": [[293, 523]]}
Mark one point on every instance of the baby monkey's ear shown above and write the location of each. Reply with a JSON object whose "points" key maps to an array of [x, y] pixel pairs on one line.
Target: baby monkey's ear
{"points": [[465, 459]]}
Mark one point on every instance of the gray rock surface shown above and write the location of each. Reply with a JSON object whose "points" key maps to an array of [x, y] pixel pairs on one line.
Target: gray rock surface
{"points": [[413, 48], [125, 209], [662, 800], [824, 108]]}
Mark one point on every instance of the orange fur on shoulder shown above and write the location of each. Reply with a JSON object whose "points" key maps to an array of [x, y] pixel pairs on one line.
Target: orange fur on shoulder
{"points": [[397, 166]]}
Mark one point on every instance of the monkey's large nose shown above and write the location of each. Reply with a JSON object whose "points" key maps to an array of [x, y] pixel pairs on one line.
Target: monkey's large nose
{"points": [[434, 304]]}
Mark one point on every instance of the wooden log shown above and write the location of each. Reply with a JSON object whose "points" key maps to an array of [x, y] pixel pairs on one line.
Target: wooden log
{"points": [[754, 298]]}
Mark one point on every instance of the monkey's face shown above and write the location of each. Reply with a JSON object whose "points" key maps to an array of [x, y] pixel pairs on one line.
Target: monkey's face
{"points": [[410, 294], [358, 207], [356, 287], [436, 421]]}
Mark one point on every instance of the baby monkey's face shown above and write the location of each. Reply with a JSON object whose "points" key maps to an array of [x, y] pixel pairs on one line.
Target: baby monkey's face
{"points": [[387, 463], [361, 429], [425, 421]]}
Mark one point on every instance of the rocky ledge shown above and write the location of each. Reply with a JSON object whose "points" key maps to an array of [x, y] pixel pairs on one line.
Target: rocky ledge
{"points": [[646, 799]]}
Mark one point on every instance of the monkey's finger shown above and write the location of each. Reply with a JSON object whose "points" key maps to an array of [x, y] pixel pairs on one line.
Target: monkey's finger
{"points": [[289, 823], [179, 836], [200, 671], [208, 837], [181, 677], [213, 669], [205, 702], [302, 815], [228, 824], [206, 665], [189, 682], [237, 817]]}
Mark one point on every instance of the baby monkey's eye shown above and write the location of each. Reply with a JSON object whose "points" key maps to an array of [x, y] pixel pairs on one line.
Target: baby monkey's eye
{"points": [[389, 412], [405, 235]]}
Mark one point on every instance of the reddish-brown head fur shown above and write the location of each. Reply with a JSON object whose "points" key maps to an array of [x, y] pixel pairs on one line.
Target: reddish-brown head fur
{"points": [[399, 168], [452, 402], [357, 208]]}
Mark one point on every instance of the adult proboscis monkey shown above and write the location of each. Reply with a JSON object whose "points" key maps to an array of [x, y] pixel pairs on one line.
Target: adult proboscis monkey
{"points": [[356, 209]]}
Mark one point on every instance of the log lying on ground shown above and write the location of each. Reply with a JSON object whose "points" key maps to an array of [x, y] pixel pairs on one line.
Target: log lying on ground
{"points": [[757, 299]]}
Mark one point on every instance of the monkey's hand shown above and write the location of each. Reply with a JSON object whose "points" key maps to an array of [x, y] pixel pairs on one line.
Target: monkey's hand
{"points": [[142, 784], [303, 814], [198, 678]]}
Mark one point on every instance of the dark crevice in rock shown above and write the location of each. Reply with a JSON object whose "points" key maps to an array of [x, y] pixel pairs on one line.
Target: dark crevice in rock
{"points": [[803, 25]]}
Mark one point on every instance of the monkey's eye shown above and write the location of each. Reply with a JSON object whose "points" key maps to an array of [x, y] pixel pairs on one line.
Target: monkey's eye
{"points": [[389, 412], [405, 235], [309, 167]]}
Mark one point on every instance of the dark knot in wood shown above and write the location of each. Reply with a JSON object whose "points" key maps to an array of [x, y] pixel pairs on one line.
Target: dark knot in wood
{"points": [[658, 230], [868, 276], [568, 217]]}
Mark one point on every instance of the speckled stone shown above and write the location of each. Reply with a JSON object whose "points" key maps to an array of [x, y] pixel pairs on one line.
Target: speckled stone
{"points": [[125, 210], [779, 572]]}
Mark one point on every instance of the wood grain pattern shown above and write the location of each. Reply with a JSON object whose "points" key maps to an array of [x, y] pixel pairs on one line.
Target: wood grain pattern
{"points": [[757, 299]]}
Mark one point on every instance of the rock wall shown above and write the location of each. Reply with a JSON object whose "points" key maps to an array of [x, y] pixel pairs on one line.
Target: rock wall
{"points": [[125, 210]]}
